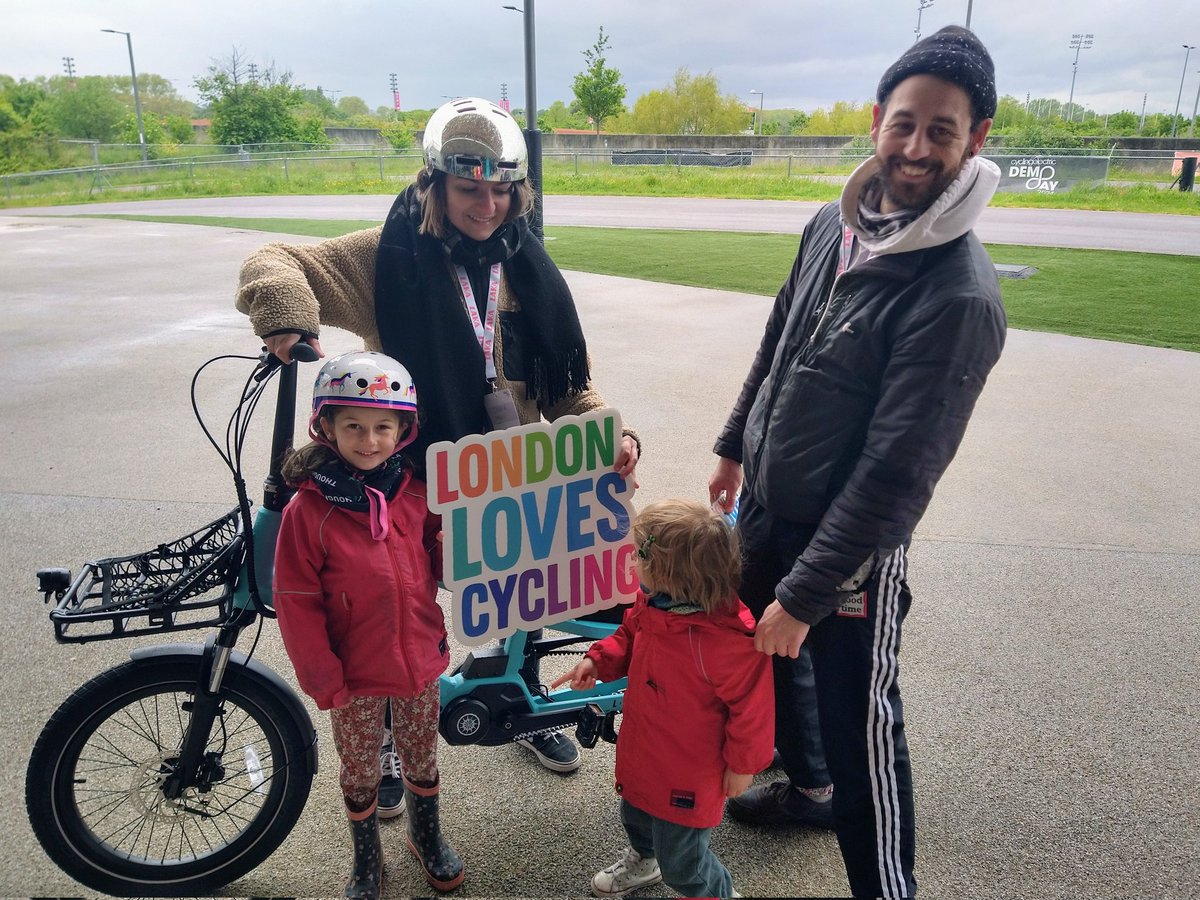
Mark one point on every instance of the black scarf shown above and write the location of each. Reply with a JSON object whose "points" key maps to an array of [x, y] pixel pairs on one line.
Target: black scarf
{"points": [[880, 224], [349, 488], [419, 315]]}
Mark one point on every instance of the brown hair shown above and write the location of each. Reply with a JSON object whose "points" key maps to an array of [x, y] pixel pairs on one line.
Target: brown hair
{"points": [[688, 552], [431, 194], [299, 465]]}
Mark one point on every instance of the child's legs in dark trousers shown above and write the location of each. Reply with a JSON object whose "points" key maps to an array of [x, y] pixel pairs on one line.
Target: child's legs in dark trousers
{"points": [[687, 862], [358, 732], [855, 657]]}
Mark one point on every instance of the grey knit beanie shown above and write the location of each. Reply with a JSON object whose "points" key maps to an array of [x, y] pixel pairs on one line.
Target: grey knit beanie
{"points": [[953, 54]]}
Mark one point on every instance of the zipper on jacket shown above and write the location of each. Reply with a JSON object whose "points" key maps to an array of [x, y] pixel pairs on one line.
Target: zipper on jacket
{"points": [[820, 314], [822, 327], [402, 592]]}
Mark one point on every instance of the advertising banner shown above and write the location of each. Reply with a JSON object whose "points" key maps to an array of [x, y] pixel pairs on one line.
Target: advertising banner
{"points": [[535, 524], [1049, 174]]}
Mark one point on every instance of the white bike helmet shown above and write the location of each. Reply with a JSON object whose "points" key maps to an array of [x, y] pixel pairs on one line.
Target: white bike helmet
{"points": [[476, 139], [364, 378]]}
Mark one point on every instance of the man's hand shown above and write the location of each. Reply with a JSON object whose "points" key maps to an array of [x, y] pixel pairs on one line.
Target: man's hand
{"points": [[778, 633], [726, 479], [281, 345]]}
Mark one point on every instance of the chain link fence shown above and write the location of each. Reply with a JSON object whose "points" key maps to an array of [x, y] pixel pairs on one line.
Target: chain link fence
{"points": [[260, 168]]}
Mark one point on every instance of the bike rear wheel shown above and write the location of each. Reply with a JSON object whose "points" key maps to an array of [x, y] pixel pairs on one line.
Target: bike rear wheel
{"points": [[93, 786]]}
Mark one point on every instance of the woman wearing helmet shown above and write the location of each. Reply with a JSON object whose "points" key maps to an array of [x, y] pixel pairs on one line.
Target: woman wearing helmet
{"points": [[357, 564], [456, 286]]}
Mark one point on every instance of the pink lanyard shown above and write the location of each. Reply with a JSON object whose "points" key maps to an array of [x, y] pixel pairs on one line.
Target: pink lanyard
{"points": [[485, 330], [845, 252]]}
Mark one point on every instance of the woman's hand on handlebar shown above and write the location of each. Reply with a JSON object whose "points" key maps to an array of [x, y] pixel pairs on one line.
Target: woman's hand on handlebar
{"points": [[582, 677], [281, 345]]}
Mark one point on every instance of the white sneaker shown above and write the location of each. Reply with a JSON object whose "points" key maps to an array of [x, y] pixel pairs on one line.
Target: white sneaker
{"points": [[628, 873], [391, 784]]}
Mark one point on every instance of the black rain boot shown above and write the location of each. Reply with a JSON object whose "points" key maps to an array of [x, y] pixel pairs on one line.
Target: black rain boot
{"points": [[443, 868], [366, 878]]}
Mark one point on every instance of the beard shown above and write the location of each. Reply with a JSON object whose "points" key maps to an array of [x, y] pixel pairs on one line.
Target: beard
{"points": [[904, 195]]}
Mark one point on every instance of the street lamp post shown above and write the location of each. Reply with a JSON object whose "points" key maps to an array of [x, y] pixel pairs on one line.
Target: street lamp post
{"points": [[1188, 48], [760, 109], [1195, 106], [137, 100], [969, 5], [533, 137], [1078, 42], [922, 5]]}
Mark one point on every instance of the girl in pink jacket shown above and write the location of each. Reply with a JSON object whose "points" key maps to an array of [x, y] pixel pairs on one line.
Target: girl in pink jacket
{"points": [[357, 564], [699, 711]]}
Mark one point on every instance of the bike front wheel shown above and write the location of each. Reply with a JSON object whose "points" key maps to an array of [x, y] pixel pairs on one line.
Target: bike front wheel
{"points": [[94, 787]]}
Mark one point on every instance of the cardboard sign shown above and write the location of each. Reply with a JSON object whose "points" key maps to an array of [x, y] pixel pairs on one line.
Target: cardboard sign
{"points": [[535, 524]]}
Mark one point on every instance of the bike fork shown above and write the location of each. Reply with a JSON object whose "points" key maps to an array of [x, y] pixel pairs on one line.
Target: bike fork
{"points": [[203, 710]]}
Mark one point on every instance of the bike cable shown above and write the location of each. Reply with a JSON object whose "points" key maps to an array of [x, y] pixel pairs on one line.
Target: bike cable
{"points": [[236, 430]]}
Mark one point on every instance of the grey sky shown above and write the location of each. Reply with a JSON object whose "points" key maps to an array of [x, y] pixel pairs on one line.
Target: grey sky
{"points": [[799, 53]]}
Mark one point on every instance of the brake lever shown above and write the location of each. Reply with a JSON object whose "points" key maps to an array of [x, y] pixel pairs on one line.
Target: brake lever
{"points": [[268, 362]]}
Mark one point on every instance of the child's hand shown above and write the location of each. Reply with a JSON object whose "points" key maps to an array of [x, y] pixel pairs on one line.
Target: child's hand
{"points": [[736, 784], [582, 677]]}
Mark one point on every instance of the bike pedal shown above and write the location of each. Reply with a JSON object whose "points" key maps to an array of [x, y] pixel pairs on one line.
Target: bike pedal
{"points": [[608, 729]]}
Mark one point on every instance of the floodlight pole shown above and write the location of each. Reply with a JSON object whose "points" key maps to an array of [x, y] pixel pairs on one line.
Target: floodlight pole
{"points": [[922, 5], [1078, 42]]}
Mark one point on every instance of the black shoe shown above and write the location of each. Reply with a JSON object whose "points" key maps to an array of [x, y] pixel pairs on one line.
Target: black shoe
{"points": [[554, 751], [780, 804], [391, 784]]}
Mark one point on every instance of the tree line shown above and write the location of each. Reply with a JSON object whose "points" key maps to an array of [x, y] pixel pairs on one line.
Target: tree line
{"points": [[248, 104]]}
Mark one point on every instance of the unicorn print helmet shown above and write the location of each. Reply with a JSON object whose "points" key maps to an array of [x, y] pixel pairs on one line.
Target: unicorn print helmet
{"points": [[364, 378]]}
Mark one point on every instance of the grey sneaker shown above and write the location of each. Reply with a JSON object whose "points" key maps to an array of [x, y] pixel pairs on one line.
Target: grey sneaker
{"points": [[554, 751], [628, 873], [391, 784]]}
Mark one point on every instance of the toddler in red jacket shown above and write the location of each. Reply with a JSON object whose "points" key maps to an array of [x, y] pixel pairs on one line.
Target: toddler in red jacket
{"points": [[357, 564], [698, 715]]}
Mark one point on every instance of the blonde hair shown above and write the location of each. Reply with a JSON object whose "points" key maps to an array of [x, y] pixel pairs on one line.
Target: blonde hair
{"points": [[688, 552], [299, 465], [431, 194]]}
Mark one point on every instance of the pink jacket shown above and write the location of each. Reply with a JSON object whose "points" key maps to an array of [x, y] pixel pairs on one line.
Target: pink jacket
{"points": [[359, 616], [700, 699]]}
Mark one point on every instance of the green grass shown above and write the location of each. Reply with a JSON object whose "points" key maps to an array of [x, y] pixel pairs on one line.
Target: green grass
{"points": [[362, 176], [1137, 298]]}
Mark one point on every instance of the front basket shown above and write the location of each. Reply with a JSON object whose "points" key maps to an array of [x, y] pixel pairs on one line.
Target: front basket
{"points": [[187, 583]]}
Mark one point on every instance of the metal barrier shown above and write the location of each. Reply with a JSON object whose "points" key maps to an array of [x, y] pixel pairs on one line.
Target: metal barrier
{"points": [[827, 163]]}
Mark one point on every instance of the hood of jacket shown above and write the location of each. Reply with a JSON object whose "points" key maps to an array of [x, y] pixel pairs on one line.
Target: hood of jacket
{"points": [[735, 617], [950, 216]]}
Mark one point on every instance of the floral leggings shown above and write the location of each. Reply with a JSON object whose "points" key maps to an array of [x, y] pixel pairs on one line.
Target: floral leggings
{"points": [[358, 733]]}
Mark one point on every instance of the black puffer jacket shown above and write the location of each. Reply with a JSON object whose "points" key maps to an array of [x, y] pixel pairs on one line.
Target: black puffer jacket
{"points": [[854, 408]]}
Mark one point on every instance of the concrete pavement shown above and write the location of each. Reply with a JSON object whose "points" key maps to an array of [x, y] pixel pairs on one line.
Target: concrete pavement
{"points": [[1079, 228], [1049, 660]]}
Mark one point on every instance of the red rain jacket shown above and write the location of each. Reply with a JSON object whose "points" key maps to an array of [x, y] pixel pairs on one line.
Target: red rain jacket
{"points": [[700, 699], [359, 617]]}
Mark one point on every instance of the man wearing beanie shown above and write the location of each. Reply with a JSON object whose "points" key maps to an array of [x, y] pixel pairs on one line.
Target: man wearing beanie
{"points": [[874, 354]]}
